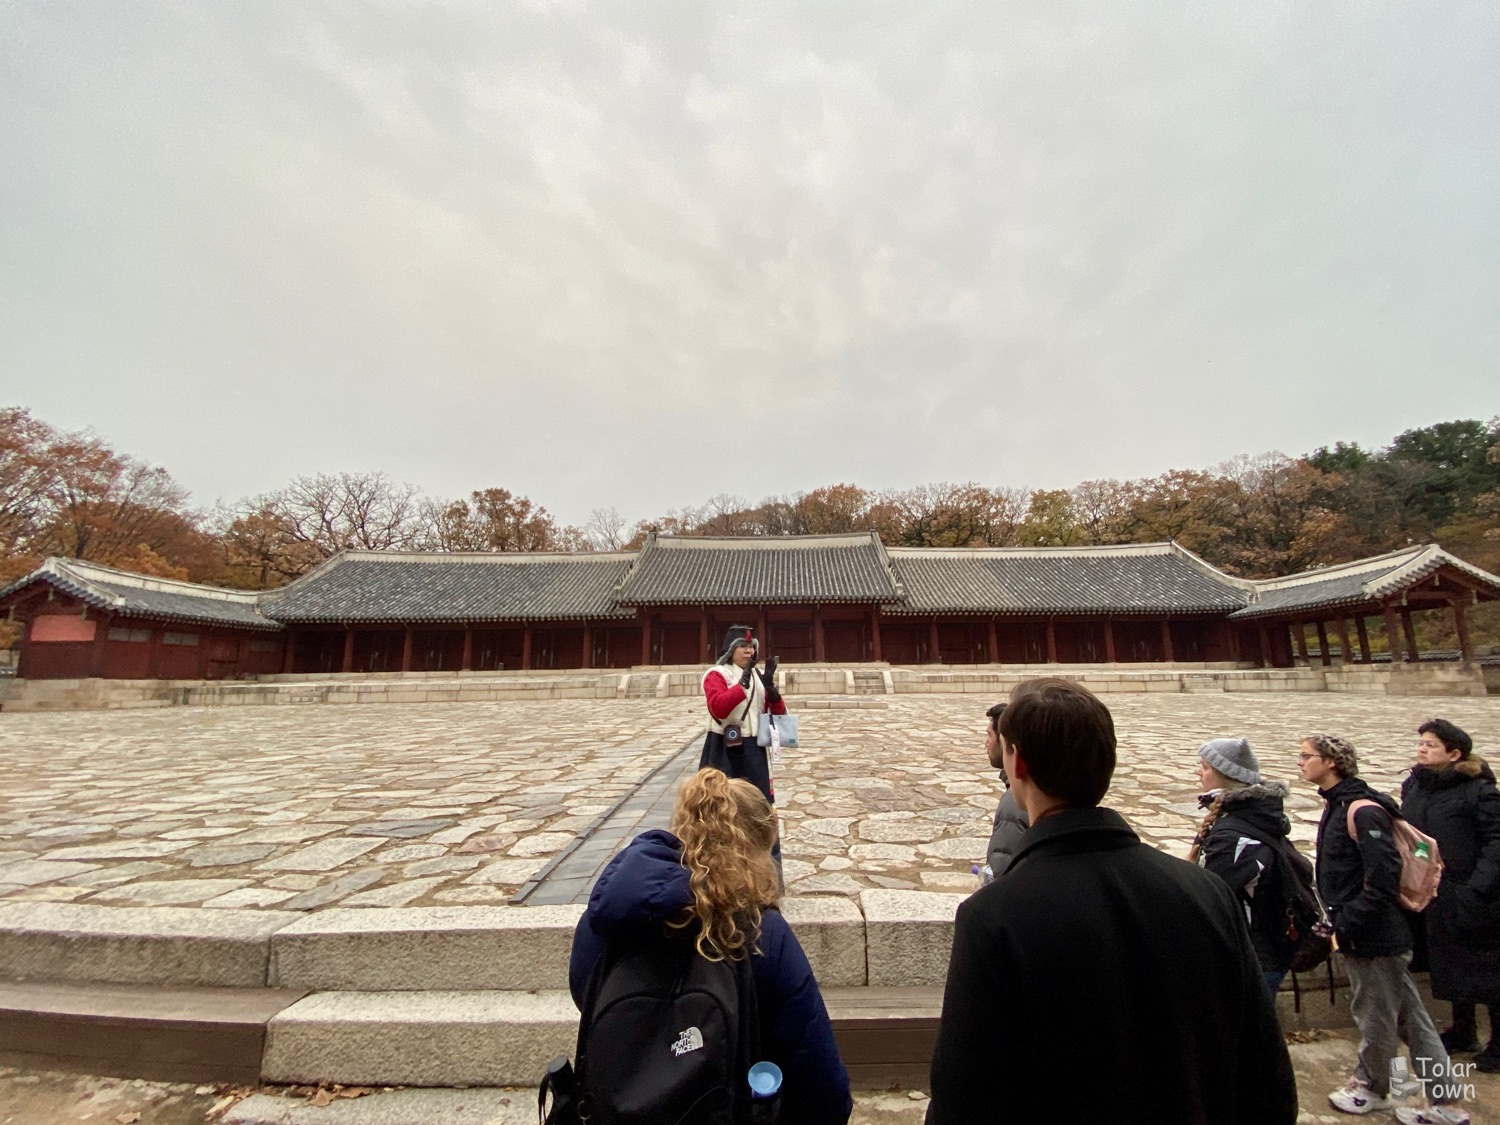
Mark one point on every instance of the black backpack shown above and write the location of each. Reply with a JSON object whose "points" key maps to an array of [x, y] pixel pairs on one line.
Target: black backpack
{"points": [[1305, 941], [666, 1036]]}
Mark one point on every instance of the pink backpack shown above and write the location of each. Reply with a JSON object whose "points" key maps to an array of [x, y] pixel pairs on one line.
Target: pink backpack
{"points": [[1421, 862]]}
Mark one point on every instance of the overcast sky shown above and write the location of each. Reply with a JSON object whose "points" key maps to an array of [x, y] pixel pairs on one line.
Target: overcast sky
{"points": [[635, 255]]}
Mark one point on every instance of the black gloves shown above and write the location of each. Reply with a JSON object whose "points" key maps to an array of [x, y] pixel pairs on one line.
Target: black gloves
{"points": [[768, 678], [745, 676]]}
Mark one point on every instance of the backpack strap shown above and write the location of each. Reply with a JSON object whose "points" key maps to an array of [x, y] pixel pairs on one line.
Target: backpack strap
{"points": [[748, 1037], [1355, 806]]}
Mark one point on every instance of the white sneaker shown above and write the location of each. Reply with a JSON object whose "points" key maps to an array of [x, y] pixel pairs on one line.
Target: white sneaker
{"points": [[1357, 1097], [1434, 1115]]}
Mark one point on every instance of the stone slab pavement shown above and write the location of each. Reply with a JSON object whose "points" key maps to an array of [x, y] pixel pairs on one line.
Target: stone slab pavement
{"points": [[440, 804]]}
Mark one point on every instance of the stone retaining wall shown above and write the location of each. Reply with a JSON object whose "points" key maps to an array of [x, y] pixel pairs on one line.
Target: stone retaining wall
{"points": [[454, 687]]}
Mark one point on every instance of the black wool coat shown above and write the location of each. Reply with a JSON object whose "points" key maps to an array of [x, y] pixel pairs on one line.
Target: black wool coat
{"points": [[1459, 806], [1359, 880], [1103, 980]]}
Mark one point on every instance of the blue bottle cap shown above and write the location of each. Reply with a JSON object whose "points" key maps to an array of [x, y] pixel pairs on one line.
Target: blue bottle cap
{"points": [[765, 1079]]}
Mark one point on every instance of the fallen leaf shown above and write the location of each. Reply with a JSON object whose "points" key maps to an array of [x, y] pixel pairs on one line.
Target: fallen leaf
{"points": [[355, 1091], [321, 1098]]}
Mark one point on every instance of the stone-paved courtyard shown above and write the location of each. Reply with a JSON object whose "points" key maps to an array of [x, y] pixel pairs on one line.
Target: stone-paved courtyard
{"points": [[442, 804]]}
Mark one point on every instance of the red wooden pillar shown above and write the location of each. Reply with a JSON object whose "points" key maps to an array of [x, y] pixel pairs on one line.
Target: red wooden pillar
{"points": [[466, 662], [1392, 634], [1363, 632], [934, 644], [1461, 623], [1051, 641], [1412, 655], [875, 650], [705, 654], [205, 646], [348, 649], [288, 663], [154, 665], [1344, 649], [761, 635], [588, 645], [406, 645], [1323, 653], [1109, 640], [101, 638], [1166, 641], [1232, 640], [820, 653], [645, 638], [526, 649], [1266, 660], [1299, 634], [994, 644]]}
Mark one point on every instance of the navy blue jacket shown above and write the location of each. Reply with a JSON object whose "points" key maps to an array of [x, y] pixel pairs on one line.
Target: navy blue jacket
{"points": [[643, 887]]}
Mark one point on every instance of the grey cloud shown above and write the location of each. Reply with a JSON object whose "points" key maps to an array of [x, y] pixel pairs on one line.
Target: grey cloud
{"points": [[1025, 243]]}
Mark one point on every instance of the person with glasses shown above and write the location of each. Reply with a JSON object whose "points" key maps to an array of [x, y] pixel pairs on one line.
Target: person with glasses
{"points": [[1450, 794], [1359, 877]]}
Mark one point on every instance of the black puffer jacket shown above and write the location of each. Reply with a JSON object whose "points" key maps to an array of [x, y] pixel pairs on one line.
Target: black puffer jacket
{"points": [[1240, 848], [1459, 806], [1359, 881]]}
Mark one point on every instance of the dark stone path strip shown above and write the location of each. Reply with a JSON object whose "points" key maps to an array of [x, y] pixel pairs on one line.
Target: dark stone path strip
{"points": [[570, 874]]}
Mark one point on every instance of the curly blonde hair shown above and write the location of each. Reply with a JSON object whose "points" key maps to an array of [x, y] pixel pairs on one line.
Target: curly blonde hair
{"points": [[727, 828]]}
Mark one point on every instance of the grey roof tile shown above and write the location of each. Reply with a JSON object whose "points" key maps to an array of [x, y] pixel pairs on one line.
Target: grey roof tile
{"points": [[138, 595], [764, 570], [1145, 578], [410, 586], [1355, 583]]}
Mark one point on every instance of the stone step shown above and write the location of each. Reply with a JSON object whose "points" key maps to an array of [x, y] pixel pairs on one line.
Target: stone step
{"points": [[505, 1038], [471, 1106], [136, 1031], [447, 1038], [460, 948], [158, 945]]}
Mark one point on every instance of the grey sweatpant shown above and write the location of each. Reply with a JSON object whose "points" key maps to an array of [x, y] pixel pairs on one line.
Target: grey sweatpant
{"points": [[1387, 1009]]}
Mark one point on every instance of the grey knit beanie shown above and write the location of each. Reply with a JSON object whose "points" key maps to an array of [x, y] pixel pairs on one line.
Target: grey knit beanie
{"points": [[1339, 751], [1233, 758]]}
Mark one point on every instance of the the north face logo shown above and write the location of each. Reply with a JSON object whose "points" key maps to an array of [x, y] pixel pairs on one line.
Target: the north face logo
{"points": [[689, 1040]]}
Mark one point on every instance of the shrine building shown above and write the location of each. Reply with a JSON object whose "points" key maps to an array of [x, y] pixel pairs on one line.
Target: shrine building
{"points": [[838, 599]]}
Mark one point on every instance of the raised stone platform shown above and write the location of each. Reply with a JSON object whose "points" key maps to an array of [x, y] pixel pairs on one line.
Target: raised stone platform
{"points": [[663, 683]]}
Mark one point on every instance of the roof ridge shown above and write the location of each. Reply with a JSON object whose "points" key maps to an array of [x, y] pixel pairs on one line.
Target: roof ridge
{"points": [[839, 538], [80, 569], [361, 554], [1353, 566], [1099, 549]]}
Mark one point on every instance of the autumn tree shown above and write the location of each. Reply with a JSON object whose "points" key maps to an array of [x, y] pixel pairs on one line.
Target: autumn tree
{"points": [[495, 519]]}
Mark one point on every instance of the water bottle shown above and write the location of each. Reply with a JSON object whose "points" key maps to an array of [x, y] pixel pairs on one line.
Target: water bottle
{"points": [[765, 1091], [986, 874]]}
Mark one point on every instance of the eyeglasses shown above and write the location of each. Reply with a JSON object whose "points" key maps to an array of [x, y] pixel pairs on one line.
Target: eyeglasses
{"points": [[1307, 757]]}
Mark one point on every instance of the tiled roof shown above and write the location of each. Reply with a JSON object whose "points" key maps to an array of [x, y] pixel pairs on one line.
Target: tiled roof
{"points": [[1137, 578], [1355, 583], [413, 586], [137, 595], [764, 570]]}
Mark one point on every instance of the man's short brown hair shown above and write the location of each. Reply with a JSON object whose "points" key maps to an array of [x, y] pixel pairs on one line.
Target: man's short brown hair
{"points": [[1066, 736]]}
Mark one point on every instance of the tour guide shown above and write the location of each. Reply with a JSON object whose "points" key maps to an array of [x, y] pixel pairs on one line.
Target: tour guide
{"points": [[737, 697]]}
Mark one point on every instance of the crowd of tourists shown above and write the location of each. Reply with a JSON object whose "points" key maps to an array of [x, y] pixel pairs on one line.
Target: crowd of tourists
{"points": [[1092, 977]]}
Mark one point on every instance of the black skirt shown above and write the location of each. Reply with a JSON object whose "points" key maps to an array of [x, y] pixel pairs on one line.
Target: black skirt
{"points": [[747, 760]]}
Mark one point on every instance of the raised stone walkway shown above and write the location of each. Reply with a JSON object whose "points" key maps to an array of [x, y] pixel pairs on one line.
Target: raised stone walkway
{"points": [[570, 876]]}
